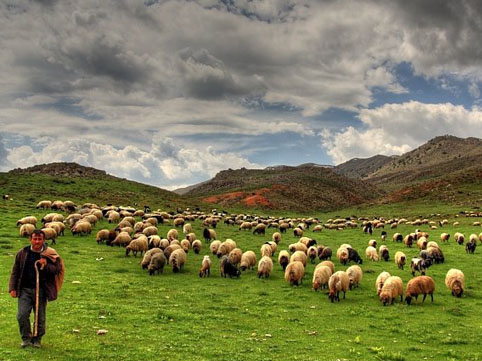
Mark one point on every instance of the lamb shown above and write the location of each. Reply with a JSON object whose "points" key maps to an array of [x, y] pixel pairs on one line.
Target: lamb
{"points": [[214, 247], [325, 254], [29, 220], [148, 256], [197, 246], [266, 250], [321, 276], [284, 259], [371, 254], [265, 266], [209, 234], [328, 264], [444, 237], [298, 256], [312, 253], [122, 239], [408, 240], [355, 275], [235, 256], [400, 259], [383, 236], [44, 204], [248, 260], [382, 277], [419, 285], [392, 288], [276, 237], [397, 237], [228, 269], [26, 230], [384, 253], [102, 235], [177, 259], [157, 263], [339, 281], [205, 270], [454, 280], [294, 272], [298, 247], [459, 238], [274, 247]]}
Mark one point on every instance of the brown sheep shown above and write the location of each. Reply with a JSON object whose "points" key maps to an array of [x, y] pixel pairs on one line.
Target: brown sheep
{"points": [[177, 259], [298, 247], [419, 285], [205, 270], [26, 230], [454, 280], [150, 231], [102, 235], [338, 282], [172, 234], [122, 239], [50, 233], [185, 244], [284, 259], [371, 254], [197, 246], [329, 264], [400, 259], [157, 263], [137, 245], [146, 260], [265, 266], [355, 275], [276, 237], [266, 250], [294, 272], [408, 240], [235, 256], [214, 247], [444, 237], [325, 253], [312, 253], [170, 249], [299, 256], [382, 277], [392, 288], [248, 260], [321, 276]]}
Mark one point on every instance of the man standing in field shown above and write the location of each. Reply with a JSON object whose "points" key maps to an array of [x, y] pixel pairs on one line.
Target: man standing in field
{"points": [[36, 278]]}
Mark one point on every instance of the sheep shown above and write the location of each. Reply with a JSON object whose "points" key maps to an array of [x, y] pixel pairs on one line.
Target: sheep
{"points": [[339, 281], [58, 226], [185, 245], [317, 228], [266, 250], [325, 253], [422, 243], [329, 264], [228, 269], [454, 280], [321, 275], [164, 243], [298, 232], [397, 237], [209, 234], [191, 237], [342, 255], [459, 238], [197, 246], [248, 260], [148, 256], [308, 242], [26, 230], [225, 248], [102, 235], [113, 217], [122, 239], [480, 236], [150, 231], [186, 228], [436, 255], [205, 270], [312, 253], [81, 228], [151, 221], [44, 204], [154, 241], [137, 245], [214, 247], [384, 253], [371, 254], [245, 226], [408, 240], [50, 233], [299, 256], [469, 247], [382, 277], [29, 220], [419, 265], [177, 259], [444, 237], [157, 263], [354, 256], [170, 249], [260, 229], [383, 236], [419, 285], [235, 256], [400, 259], [294, 273], [49, 217], [283, 259], [392, 288], [473, 238], [57, 205], [355, 275], [276, 237], [265, 266], [298, 247], [372, 243]]}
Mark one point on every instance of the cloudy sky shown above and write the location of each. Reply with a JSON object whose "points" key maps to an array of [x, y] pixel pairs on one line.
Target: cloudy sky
{"points": [[170, 92]]}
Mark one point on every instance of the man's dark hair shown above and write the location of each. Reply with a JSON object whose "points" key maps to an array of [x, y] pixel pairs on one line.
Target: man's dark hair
{"points": [[38, 231]]}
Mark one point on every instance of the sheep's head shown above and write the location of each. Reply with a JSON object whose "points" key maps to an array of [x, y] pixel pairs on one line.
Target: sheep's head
{"points": [[457, 289], [408, 299]]}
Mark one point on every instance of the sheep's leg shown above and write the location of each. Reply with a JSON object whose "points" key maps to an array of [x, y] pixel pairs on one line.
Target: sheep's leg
{"points": [[424, 296], [431, 295]]}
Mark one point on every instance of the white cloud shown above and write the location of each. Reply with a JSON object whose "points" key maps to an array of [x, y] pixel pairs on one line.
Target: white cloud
{"points": [[397, 128]]}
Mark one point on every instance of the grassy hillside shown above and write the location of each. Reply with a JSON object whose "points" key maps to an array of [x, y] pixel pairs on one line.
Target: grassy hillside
{"points": [[362, 167], [180, 316]]}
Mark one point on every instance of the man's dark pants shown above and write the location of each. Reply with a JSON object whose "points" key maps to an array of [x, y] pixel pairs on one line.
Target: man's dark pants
{"points": [[26, 304]]}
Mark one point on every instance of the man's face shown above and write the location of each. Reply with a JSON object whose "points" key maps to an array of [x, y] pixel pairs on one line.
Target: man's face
{"points": [[37, 241]]}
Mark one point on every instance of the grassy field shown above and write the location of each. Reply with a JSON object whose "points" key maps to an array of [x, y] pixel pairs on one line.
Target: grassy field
{"points": [[180, 316]]}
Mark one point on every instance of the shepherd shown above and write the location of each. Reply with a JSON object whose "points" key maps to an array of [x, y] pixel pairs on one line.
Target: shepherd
{"points": [[37, 276]]}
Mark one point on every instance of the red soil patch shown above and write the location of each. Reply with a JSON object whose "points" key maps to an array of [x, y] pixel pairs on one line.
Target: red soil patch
{"points": [[250, 199]]}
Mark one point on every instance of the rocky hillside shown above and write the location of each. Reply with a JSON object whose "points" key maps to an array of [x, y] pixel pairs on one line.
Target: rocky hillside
{"points": [[62, 169], [307, 187], [362, 167]]}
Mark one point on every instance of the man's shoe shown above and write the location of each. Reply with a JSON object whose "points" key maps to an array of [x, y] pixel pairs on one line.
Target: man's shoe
{"points": [[36, 344], [25, 343]]}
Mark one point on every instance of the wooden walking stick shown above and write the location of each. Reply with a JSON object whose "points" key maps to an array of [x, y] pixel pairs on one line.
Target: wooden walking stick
{"points": [[37, 291]]}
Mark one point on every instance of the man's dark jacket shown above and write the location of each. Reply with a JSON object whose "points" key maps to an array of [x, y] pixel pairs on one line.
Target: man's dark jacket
{"points": [[46, 276]]}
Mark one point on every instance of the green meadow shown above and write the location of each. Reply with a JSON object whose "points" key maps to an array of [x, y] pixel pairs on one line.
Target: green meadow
{"points": [[183, 317]]}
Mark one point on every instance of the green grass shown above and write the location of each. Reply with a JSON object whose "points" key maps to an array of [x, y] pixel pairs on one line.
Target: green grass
{"points": [[183, 317]]}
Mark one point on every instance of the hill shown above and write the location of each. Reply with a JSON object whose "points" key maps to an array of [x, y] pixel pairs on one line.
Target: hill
{"points": [[306, 187], [362, 167]]}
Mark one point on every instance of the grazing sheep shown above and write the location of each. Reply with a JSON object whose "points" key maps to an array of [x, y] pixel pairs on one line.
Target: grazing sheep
{"points": [[355, 275], [226, 247], [185, 245], [321, 276], [164, 243], [81, 228], [177, 259], [408, 240], [151, 221], [325, 254], [284, 259], [44, 204], [209, 234], [339, 281], [150, 231], [187, 228], [197, 246], [294, 273], [382, 277], [317, 228], [260, 229], [154, 241], [312, 253], [122, 239], [178, 222], [371, 254], [300, 257], [308, 242], [102, 235], [384, 253], [419, 265], [392, 288], [245, 226], [26, 230], [454, 280], [328, 264], [228, 269], [214, 247], [469, 247], [342, 255], [274, 247], [459, 238], [383, 236], [276, 237], [157, 263], [148, 256], [400, 259], [480, 237], [354, 256], [444, 237], [372, 243], [235, 256], [58, 226], [205, 270], [473, 238], [265, 266], [419, 285], [422, 243], [29, 220], [191, 237], [266, 250], [397, 237], [113, 217], [298, 247], [435, 254], [248, 260], [50, 234], [171, 248], [298, 232]]}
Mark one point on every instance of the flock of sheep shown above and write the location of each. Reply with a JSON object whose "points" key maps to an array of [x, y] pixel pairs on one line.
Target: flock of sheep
{"points": [[142, 236]]}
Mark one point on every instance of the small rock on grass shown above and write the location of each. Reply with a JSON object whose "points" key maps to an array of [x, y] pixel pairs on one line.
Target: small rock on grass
{"points": [[101, 332]]}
